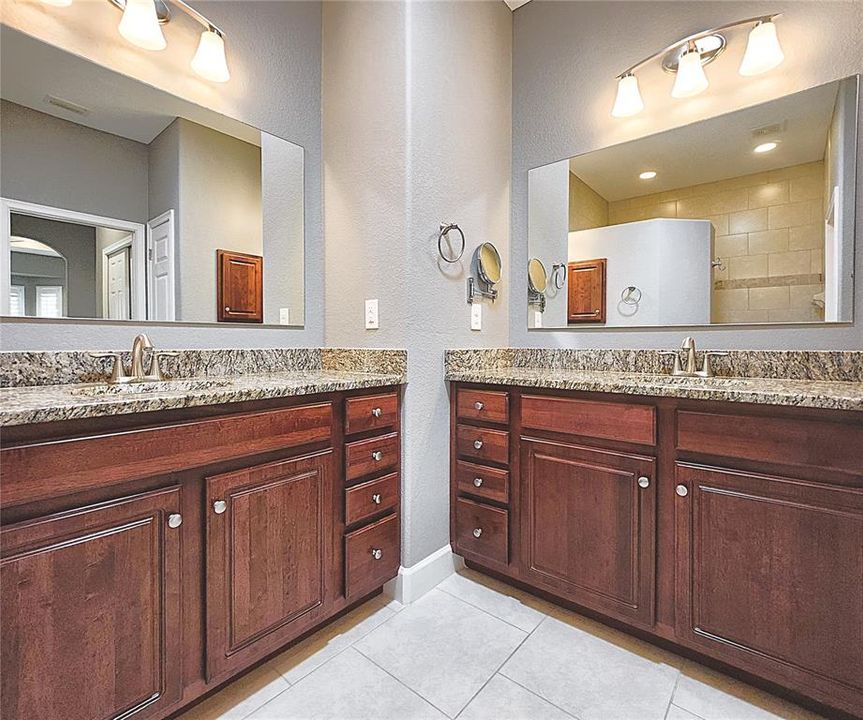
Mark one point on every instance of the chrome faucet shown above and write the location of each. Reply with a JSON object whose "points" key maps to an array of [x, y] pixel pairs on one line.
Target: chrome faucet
{"points": [[690, 367], [136, 371]]}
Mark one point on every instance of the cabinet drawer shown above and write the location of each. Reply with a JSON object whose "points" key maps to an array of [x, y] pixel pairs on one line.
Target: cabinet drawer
{"points": [[370, 498], [485, 482], [813, 444], [483, 444], [373, 456], [483, 405], [482, 530], [371, 412], [624, 422], [371, 556]]}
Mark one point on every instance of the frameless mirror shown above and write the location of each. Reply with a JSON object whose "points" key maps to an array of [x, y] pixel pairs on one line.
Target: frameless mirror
{"points": [[536, 276], [123, 202], [743, 218]]}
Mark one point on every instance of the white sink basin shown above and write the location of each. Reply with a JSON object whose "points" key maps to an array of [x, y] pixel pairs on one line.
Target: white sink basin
{"points": [[147, 388]]}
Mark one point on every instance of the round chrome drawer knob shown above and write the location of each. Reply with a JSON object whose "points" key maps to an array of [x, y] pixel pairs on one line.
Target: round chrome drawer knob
{"points": [[175, 520], [643, 481], [477, 444], [376, 412], [682, 490], [478, 405], [376, 498], [219, 507], [377, 553], [477, 482], [477, 532], [377, 455]]}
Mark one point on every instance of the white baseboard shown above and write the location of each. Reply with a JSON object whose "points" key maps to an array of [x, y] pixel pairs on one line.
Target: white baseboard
{"points": [[415, 581]]}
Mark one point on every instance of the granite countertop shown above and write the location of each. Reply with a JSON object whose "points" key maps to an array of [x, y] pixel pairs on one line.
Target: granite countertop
{"points": [[51, 403], [827, 394]]}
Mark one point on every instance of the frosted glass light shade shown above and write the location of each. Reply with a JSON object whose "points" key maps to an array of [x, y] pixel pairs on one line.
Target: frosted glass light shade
{"points": [[209, 61], [140, 25], [763, 51], [691, 79], [628, 101]]}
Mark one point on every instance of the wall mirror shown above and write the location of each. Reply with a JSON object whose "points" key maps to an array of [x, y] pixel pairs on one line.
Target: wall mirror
{"points": [[123, 202], [743, 218], [488, 271]]}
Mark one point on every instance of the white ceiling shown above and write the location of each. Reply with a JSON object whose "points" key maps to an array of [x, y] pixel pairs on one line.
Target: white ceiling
{"points": [[116, 104], [514, 4], [713, 149]]}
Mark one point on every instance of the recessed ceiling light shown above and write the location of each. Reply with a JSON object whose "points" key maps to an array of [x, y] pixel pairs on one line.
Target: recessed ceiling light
{"points": [[765, 147], [648, 175]]}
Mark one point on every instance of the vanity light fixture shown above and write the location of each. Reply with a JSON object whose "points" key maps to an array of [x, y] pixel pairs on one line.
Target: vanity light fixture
{"points": [[687, 57], [141, 22], [647, 175], [765, 147]]}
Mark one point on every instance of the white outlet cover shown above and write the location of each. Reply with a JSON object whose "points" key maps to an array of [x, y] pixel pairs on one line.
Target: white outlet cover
{"points": [[284, 316], [476, 316], [537, 319], [372, 321]]}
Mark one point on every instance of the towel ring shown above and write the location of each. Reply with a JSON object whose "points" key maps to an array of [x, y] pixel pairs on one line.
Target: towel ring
{"points": [[444, 229], [555, 275], [630, 295]]}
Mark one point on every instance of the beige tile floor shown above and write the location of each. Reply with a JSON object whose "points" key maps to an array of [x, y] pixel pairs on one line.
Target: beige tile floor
{"points": [[476, 649]]}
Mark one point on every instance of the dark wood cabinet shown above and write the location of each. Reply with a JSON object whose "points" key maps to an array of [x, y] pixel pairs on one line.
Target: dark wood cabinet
{"points": [[728, 530], [586, 291], [239, 287], [91, 623], [269, 534], [588, 523], [770, 575]]}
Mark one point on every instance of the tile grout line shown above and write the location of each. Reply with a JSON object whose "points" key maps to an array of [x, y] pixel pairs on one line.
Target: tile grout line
{"points": [[673, 691], [680, 707], [496, 617], [536, 694]]}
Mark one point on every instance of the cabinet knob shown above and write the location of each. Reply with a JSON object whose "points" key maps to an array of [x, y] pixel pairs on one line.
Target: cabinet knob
{"points": [[477, 482], [377, 412], [478, 405], [377, 553], [477, 532], [644, 481], [477, 444], [175, 520], [377, 455], [227, 309], [219, 507], [376, 498], [682, 490]]}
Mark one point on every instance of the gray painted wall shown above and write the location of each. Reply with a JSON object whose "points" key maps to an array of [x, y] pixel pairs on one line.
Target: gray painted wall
{"points": [[565, 58], [274, 54], [416, 131], [62, 164]]}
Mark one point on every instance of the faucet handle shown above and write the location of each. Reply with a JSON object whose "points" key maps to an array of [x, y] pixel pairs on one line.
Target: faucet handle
{"points": [[118, 372], [155, 371], [707, 368], [677, 368], [688, 343]]}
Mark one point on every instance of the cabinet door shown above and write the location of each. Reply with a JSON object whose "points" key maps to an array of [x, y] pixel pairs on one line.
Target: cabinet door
{"points": [[240, 287], [91, 611], [770, 576], [586, 294], [589, 526], [269, 540]]}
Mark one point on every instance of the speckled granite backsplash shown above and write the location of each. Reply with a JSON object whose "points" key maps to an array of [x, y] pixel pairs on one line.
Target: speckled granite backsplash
{"points": [[57, 368], [790, 364]]}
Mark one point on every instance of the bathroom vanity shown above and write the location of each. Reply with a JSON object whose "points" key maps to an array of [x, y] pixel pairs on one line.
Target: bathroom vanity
{"points": [[727, 529], [148, 557]]}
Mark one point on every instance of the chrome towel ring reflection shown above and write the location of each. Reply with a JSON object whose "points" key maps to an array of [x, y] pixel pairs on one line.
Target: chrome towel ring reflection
{"points": [[630, 295], [444, 229], [558, 278]]}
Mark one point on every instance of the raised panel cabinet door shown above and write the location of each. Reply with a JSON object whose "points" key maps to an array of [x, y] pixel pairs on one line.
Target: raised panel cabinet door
{"points": [[589, 526], [586, 294], [770, 577], [269, 536], [239, 287], [91, 624]]}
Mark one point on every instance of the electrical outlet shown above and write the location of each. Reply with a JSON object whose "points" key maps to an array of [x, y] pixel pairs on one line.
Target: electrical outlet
{"points": [[372, 315], [284, 316], [476, 316], [537, 319]]}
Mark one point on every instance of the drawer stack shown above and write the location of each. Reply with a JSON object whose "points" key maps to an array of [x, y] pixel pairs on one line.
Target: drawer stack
{"points": [[482, 487], [372, 461]]}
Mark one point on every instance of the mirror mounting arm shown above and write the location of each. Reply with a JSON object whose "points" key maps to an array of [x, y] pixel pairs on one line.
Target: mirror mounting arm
{"points": [[474, 291]]}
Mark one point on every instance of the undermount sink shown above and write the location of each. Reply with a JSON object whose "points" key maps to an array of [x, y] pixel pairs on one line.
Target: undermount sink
{"points": [[146, 388]]}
